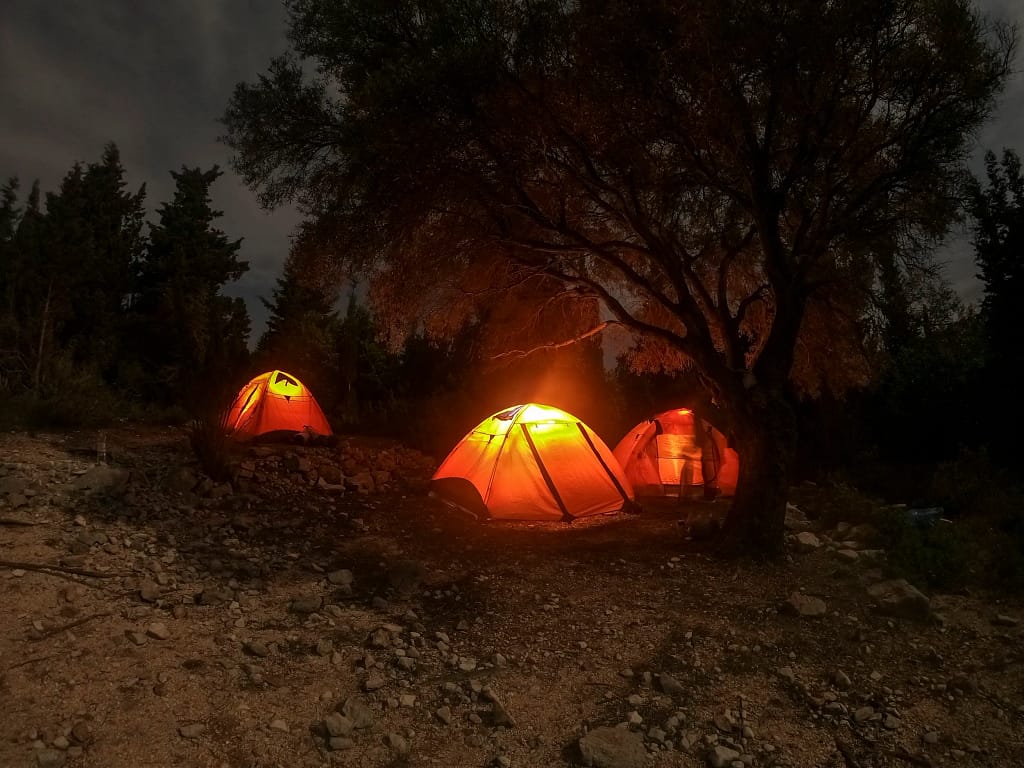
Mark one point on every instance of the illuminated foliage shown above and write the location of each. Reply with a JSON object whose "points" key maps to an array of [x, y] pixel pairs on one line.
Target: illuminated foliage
{"points": [[716, 177]]}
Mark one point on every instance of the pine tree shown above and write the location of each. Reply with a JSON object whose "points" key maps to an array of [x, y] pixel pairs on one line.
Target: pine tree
{"points": [[301, 328], [191, 335]]}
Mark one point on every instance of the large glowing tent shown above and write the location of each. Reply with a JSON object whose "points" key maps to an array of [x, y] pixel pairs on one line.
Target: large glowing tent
{"points": [[274, 402], [662, 456], [532, 462]]}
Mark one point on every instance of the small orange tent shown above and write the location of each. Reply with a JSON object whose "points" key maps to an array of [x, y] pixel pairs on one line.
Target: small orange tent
{"points": [[662, 455], [532, 462], [274, 402]]}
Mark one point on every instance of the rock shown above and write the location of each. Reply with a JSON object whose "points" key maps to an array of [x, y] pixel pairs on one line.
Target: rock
{"points": [[863, 714], [360, 483], [444, 714], [83, 733], [900, 599], [215, 596], [279, 725], [324, 485], [891, 722], [149, 591], [787, 674], [256, 648], [137, 638], [102, 479], [338, 743], [847, 555], [398, 743], [931, 737], [331, 474], [192, 730], [158, 630], [357, 711], [305, 604], [49, 758], [807, 541], [1002, 620], [342, 577], [374, 682], [800, 604], [607, 747], [722, 757], [670, 685], [842, 680]]}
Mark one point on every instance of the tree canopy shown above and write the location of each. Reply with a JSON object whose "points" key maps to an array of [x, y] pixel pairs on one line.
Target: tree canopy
{"points": [[722, 178]]}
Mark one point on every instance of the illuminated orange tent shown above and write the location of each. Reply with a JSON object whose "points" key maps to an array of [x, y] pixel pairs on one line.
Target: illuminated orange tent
{"points": [[662, 455], [532, 462], [274, 402]]}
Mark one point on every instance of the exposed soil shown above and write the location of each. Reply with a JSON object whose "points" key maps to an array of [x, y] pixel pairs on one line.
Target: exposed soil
{"points": [[246, 634]]}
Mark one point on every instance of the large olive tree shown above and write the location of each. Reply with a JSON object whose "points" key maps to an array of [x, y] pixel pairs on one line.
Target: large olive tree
{"points": [[718, 177]]}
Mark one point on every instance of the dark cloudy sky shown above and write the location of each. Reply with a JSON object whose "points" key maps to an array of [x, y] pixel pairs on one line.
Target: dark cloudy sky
{"points": [[155, 75]]}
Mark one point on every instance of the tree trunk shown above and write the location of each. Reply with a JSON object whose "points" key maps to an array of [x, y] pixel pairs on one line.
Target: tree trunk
{"points": [[37, 375], [766, 443]]}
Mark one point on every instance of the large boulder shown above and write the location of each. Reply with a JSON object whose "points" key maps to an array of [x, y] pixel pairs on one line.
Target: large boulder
{"points": [[102, 479], [899, 598], [613, 748]]}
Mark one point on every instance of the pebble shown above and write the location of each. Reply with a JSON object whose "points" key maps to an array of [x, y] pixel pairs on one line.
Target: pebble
{"points": [[256, 648], [192, 730]]}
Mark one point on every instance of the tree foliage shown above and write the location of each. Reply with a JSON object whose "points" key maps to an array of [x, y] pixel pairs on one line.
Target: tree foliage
{"points": [[717, 176], [192, 335], [998, 216]]}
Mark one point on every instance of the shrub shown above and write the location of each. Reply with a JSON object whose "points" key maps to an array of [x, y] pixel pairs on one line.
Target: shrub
{"points": [[937, 555]]}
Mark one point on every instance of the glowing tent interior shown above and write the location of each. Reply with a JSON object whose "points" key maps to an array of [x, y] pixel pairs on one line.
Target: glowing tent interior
{"points": [[274, 402], [532, 462], [662, 456]]}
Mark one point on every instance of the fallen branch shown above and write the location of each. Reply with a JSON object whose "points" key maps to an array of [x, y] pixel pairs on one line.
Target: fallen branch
{"points": [[46, 568], [71, 625], [33, 660]]}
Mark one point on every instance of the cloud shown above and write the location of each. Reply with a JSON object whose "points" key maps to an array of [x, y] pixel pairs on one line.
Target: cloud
{"points": [[154, 77]]}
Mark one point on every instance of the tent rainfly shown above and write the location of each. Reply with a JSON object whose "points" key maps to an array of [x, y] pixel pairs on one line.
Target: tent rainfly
{"points": [[274, 402], [532, 462], [662, 455]]}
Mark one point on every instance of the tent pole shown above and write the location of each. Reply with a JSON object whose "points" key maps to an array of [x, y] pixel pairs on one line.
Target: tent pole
{"points": [[611, 475], [566, 517]]}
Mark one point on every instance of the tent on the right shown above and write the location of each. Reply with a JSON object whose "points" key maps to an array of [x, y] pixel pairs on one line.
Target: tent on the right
{"points": [[671, 453]]}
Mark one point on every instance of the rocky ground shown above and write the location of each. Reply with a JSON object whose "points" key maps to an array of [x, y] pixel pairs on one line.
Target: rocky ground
{"points": [[321, 610]]}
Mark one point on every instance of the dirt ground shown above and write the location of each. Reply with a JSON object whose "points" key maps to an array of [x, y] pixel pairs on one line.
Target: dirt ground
{"points": [[284, 622]]}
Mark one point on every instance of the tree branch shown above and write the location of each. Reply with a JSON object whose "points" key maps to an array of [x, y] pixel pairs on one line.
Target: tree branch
{"points": [[558, 344]]}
